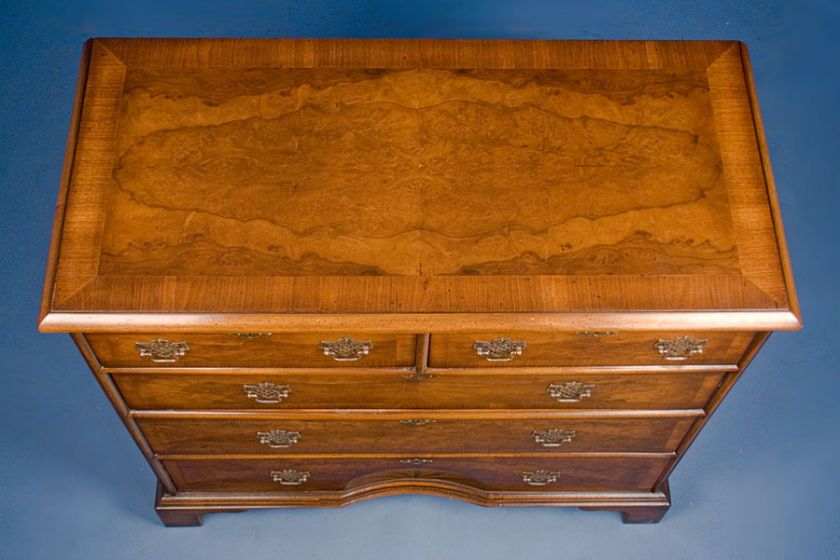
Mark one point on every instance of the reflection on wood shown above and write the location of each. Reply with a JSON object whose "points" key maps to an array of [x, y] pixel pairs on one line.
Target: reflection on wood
{"points": [[417, 172]]}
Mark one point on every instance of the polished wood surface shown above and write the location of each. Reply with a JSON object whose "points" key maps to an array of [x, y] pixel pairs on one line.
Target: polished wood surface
{"points": [[187, 508], [634, 169], [646, 513], [558, 145], [336, 323], [370, 435], [597, 348], [449, 389], [265, 350], [249, 200], [503, 474]]}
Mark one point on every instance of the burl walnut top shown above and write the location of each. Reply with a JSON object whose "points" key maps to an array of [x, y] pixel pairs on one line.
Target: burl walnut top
{"points": [[292, 177]]}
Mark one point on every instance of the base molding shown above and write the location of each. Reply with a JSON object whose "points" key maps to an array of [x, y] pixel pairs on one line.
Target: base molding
{"points": [[652, 513], [188, 508]]}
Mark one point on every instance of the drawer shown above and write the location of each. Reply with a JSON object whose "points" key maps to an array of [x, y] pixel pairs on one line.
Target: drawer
{"points": [[542, 474], [253, 350], [451, 389], [301, 433], [587, 348]]}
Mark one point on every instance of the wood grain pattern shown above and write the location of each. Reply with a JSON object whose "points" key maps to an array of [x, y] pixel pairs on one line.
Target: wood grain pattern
{"points": [[64, 183], [498, 474], [451, 389], [433, 193], [491, 435], [271, 350], [771, 183], [578, 349], [225, 172], [631, 167]]}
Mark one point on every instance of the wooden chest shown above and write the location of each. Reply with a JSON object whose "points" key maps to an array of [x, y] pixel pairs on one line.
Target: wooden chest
{"points": [[311, 272]]}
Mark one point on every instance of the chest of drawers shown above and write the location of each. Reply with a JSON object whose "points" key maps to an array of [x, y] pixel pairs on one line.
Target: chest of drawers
{"points": [[311, 272]]}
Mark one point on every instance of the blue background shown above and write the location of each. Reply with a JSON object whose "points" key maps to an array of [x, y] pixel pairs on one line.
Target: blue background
{"points": [[760, 482]]}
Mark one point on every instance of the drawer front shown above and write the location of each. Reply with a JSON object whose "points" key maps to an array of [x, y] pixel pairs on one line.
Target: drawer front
{"points": [[586, 349], [413, 434], [541, 474], [477, 389], [253, 350]]}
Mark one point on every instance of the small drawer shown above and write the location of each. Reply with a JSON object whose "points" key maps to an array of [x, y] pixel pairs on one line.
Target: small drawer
{"points": [[430, 433], [253, 350], [587, 348], [540, 474], [444, 389]]}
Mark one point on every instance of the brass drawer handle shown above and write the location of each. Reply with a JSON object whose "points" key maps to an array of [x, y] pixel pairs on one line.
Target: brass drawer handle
{"points": [[597, 334], [278, 439], [346, 349], [499, 349], [680, 348], [162, 350], [416, 461], [418, 421], [250, 335], [571, 391], [539, 477], [267, 392], [553, 437], [290, 477]]}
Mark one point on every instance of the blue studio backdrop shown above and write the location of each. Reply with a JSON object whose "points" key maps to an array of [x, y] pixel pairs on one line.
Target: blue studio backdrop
{"points": [[760, 482]]}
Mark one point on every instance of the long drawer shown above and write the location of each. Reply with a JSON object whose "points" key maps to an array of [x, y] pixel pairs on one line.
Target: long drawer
{"points": [[452, 389], [341, 432], [253, 350], [571, 474], [586, 348]]}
